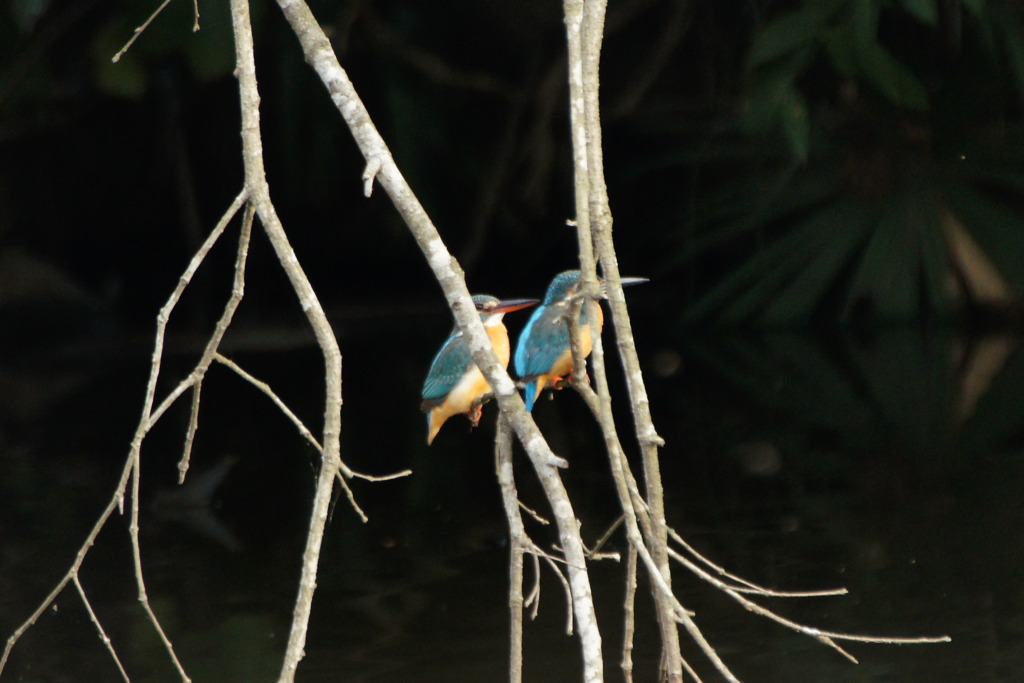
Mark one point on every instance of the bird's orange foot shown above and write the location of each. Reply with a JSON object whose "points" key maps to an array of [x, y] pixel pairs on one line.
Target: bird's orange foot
{"points": [[475, 413], [560, 383]]}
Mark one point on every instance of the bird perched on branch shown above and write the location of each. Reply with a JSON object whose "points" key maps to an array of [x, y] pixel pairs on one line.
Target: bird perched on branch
{"points": [[543, 353], [454, 383]]}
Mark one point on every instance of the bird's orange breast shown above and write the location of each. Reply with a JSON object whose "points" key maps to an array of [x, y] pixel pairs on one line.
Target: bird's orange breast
{"points": [[473, 385]]}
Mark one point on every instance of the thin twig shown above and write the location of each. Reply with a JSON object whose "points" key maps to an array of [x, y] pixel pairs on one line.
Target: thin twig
{"points": [[196, 377], [629, 615], [139, 29], [749, 586], [532, 599], [265, 388], [607, 535], [146, 422], [303, 430], [626, 488], [140, 581], [533, 513], [827, 637], [148, 418], [516, 543], [76, 564], [565, 586], [690, 671], [104, 638], [190, 434]]}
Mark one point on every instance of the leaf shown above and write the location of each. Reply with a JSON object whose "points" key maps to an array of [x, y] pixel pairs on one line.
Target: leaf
{"points": [[1008, 33], [842, 51], [784, 36], [863, 24], [791, 32], [756, 283], [770, 88], [937, 273], [891, 77], [890, 273], [912, 384], [977, 272], [840, 241], [796, 123], [924, 11], [977, 7], [748, 204], [995, 227]]}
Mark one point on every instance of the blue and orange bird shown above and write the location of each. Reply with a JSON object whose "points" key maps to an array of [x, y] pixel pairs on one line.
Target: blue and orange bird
{"points": [[455, 384], [543, 353]]}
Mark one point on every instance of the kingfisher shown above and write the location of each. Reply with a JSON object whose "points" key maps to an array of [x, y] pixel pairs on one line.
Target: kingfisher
{"points": [[543, 353], [455, 384]]}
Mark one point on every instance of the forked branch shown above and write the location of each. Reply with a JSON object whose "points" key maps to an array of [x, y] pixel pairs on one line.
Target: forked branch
{"points": [[320, 55]]}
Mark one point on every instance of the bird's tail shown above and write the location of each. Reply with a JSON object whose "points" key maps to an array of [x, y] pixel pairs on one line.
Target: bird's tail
{"points": [[432, 429], [530, 392]]}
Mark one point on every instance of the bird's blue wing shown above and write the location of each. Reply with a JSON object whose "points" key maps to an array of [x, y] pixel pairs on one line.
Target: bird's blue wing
{"points": [[447, 368], [542, 341]]}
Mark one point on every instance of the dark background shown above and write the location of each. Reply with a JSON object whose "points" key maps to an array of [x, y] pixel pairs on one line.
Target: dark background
{"points": [[837, 375]]}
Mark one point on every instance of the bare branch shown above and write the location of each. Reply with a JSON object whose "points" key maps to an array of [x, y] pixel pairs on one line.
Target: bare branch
{"points": [[148, 418], [139, 29], [747, 586], [140, 583], [265, 388], [532, 599], [629, 615], [305, 433], [516, 542], [259, 197], [104, 638], [827, 637], [321, 57], [585, 30], [190, 435], [370, 174], [533, 513]]}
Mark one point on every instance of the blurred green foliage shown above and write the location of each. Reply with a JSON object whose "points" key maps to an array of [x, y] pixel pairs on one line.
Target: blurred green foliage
{"points": [[895, 192], [777, 163]]}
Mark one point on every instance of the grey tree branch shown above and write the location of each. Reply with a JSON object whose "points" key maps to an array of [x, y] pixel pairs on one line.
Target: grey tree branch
{"points": [[585, 33], [104, 638], [147, 420], [259, 198], [629, 616], [321, 57], [516, 542]]}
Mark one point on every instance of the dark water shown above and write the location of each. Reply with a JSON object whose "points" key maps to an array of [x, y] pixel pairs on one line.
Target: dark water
{"points": [[892, 465]]}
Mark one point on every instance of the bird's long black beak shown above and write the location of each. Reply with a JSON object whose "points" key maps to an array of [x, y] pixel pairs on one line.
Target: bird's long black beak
{"points": [[626, 282], [506, 305]]}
